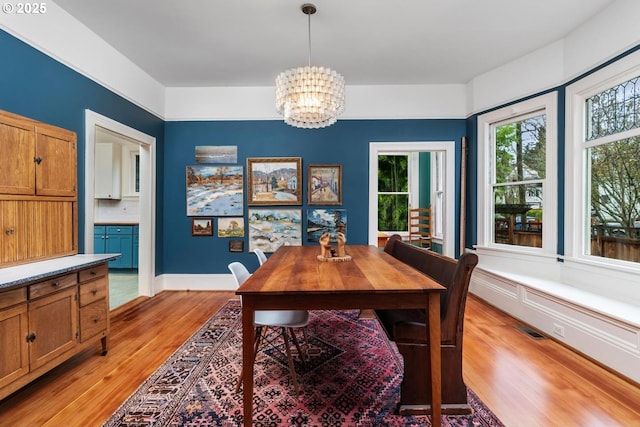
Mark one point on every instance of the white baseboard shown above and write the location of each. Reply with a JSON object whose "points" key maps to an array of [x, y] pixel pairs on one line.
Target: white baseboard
{"points": [[607, 339], [194, 282]]}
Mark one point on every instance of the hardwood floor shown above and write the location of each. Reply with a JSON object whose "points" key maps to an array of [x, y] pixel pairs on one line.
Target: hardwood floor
{"points": [[526, 382]]}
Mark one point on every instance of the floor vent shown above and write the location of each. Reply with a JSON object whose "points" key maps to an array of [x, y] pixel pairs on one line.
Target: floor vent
{"points": [[533, 334]]}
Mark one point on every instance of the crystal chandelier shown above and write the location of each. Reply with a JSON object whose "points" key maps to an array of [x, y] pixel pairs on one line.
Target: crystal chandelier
{"points": [[310, 97]]}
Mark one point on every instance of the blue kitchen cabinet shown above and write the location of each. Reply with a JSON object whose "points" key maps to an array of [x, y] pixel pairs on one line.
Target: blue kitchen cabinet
{"points": [[112, 239]]}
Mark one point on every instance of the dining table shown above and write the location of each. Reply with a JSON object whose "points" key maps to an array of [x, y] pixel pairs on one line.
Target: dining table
{"points": [[296, 278]]}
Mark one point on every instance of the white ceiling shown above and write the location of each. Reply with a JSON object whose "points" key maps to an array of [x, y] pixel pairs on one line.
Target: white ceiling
{"points": [[194, 43]]}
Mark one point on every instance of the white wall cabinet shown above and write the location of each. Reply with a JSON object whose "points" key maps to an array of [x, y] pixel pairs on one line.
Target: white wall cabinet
{"points": [[108, 171]]}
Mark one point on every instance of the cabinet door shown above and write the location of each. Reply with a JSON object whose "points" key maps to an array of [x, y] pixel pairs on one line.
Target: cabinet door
{"points": [[17, 145], [56, 161], [14, 350], [136, 247], [52, 228], [53, 326], [99, 239], [13, 232], [121, 244]]}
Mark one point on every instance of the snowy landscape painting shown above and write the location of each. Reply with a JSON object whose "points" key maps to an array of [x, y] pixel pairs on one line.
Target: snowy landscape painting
{"points": [[271, 228], [215, 190]]}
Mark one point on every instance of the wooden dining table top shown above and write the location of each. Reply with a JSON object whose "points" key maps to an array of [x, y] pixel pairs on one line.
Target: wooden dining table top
{"points": [[296, 270]]}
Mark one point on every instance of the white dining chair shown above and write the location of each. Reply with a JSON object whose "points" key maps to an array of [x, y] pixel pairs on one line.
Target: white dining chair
{"points": [[286, 320], [260, 254]]}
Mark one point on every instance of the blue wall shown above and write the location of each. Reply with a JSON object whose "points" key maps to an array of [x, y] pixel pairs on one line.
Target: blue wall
{"points": [[346, 143], [36, 86]]}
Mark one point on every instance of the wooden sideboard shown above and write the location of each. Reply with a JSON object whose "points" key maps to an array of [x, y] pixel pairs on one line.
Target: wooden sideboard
{"points": [[49, 312]]}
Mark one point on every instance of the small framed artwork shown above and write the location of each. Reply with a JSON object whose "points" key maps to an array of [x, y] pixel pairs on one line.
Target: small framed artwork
{"points": [[236, 245], [271, 228], [216, 154], [320, 221], [215, 190], [325, 185], [274, 181], [231, 227], [202, 226]]}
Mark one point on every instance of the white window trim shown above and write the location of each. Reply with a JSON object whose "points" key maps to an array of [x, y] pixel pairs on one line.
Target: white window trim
{"points": [[549, 103], [575, 173], [437, 185]]}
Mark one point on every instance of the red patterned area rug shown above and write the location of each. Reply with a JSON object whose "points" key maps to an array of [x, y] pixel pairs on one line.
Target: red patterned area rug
{"points": [[352, 378]]}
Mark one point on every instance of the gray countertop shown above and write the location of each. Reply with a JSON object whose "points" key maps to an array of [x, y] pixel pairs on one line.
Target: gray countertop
{"points": [[11, 277]]}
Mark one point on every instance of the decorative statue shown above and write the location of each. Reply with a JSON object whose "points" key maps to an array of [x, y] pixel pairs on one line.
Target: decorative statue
{"points": [[329, 253]]}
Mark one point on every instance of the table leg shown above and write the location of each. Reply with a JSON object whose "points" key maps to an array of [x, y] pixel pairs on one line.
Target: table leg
{"points": [[434, 346], [247, 361]]}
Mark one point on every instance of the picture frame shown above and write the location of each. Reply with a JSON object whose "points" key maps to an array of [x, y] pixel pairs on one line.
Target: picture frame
{"points": [[324, 185], [271, 228], [236, 245], [274, 181], [216, 154], [202, 226], [320, 221], [231, 227], [215, 190]]}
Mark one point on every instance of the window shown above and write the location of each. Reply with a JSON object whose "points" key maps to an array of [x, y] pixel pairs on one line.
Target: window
{"points": [[603, 145], [516, 189], [396, 190]]}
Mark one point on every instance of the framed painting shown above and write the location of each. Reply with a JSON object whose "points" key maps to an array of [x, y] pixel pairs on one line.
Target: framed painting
{"points": [[216, 154], [271, 228], [236, 246], [231, 227], [215, 190], [202, 226], [320, 221], [274, 181], [325, 185]]}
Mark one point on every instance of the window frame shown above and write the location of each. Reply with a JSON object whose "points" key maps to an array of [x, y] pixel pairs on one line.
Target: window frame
{"points": [[576, 170], [544, 104], [413, 184]]}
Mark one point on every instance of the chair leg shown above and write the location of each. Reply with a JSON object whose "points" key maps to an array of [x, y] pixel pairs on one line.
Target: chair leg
{"points": [[291, 367], [260, 331], [295, 342]]}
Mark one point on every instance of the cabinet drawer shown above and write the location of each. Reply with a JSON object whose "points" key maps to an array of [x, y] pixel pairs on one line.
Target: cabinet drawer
{"points": [[93, 272], [120, 229], [13, 297], [52, 285], [93, 291], [93, 320]]}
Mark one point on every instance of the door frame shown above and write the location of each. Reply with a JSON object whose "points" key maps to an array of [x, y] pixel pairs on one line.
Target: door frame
{"points": [[448, 147], [147, 143]]}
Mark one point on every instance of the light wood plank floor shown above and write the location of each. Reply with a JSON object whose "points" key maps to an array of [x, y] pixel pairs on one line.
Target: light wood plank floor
{"points": [[526, 382]]}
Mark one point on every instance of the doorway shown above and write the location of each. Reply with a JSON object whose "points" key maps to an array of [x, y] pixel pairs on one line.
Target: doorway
{"points": [[447, 154], [96, 126]]}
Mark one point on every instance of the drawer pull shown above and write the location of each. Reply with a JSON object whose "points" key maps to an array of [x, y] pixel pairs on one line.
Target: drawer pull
{"points": [[94, 291], [93, 273], [10, 231], [31, 337], [96, 319], [55, 284]]}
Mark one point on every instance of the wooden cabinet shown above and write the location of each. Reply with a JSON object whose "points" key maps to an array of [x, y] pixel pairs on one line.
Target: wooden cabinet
{"points": [[38, 194], [14, 349], [46, 322], [37, 159]]}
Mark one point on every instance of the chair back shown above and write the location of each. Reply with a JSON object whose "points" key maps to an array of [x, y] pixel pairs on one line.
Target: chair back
{"points": [[239, 272], [260, 254]]}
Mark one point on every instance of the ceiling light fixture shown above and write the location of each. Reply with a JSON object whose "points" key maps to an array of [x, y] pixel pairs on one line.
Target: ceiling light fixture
{"points": [[310, 97]]}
